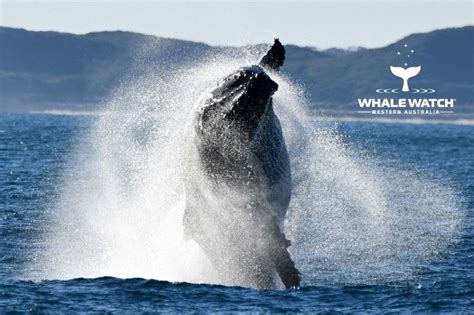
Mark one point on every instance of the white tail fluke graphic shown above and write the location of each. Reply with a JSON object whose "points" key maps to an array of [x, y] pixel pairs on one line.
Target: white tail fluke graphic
{"points": [[405, 74]]}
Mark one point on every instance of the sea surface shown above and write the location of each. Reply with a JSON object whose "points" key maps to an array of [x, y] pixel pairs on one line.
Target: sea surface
{"points": [[36, 151]]}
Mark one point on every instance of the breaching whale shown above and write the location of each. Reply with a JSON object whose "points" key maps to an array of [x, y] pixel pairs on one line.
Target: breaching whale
{"points": [[238, 183]]}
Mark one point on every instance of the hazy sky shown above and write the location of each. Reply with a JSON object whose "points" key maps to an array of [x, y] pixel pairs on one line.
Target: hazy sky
{"points": [[313, 23]]}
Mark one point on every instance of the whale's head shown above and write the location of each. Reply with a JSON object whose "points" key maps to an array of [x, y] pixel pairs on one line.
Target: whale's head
{"points": [[240, 99]]}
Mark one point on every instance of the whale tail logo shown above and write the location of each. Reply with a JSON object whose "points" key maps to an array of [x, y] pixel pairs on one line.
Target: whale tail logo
{"points": [[405, 74]]}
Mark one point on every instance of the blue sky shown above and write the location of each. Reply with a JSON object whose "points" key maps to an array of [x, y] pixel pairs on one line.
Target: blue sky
{"points": [[309, 23]]}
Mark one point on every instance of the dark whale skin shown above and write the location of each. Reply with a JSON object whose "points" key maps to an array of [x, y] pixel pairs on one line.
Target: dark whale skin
{"points": [[238, 186]]}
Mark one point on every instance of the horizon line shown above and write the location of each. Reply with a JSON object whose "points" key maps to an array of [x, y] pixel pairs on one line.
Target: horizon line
{"points": [[214, 45]]}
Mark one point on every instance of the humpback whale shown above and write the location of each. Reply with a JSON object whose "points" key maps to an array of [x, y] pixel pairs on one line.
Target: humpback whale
{"points": [[238, 183]]}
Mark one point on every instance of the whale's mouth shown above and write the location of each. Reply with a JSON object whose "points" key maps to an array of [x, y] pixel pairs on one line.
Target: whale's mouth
{"points": [[251, 82], [239, 101]]}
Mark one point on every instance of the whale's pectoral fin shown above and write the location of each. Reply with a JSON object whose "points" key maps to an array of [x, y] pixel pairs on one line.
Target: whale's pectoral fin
{"points": [[275, 57], [284, 265]]}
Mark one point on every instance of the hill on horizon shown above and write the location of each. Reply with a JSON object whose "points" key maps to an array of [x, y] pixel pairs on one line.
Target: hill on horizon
{"points": [[51, 70]]}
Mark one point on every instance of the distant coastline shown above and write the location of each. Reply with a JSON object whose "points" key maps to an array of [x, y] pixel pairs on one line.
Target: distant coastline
{"points": [[44, 71], [443, 120]]}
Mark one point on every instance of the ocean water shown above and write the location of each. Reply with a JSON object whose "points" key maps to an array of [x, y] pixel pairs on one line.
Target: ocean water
{"points": [[381, 219]]}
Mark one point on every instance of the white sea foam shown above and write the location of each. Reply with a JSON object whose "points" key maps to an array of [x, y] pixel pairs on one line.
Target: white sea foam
{"points": [[67, 112], [409, 121], [122, 199]]}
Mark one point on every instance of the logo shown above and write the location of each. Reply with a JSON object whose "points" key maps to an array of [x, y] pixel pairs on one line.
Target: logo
{"points": [[404, 101], [405, 74]]}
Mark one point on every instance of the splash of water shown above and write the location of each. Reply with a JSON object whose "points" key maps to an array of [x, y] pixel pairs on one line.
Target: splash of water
{"points": [[354, 220], [122, 200]]}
